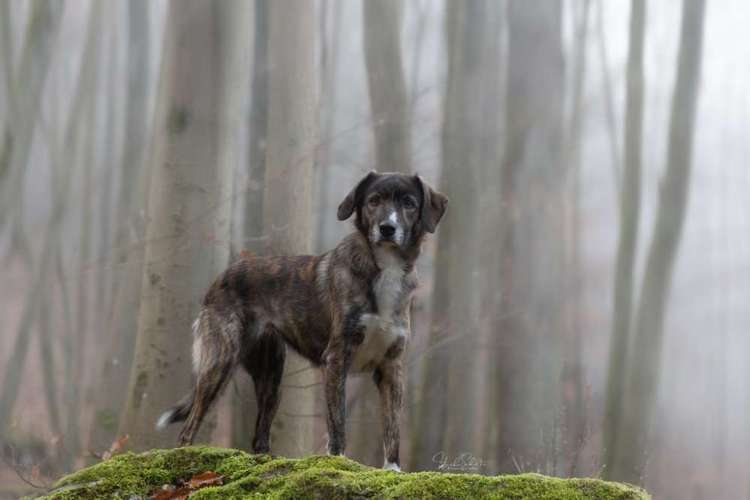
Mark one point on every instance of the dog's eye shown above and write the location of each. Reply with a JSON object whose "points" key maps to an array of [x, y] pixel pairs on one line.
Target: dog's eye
{"points": [[409, 203], [374, 200]]}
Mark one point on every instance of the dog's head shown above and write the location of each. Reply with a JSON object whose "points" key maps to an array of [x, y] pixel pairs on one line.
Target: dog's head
{"points": [[393, 209]]}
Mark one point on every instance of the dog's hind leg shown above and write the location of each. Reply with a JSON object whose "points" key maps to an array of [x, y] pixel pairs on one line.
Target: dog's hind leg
{"points": [[215, 357], [265, 363]]}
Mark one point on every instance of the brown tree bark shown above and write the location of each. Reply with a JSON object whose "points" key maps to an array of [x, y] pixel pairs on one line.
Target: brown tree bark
{"points": [[287, 201], [186, 228], [253, 227], [389, 101], [329, 62]]}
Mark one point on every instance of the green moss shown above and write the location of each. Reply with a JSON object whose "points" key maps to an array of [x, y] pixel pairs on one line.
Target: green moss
{"points": [[261, 476]]}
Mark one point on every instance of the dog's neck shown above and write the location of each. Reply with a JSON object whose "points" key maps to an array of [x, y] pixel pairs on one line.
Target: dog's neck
{"points": [[381, 257]]}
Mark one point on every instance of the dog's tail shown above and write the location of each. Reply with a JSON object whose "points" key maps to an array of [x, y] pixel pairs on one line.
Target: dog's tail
{"points": [[177, 413], [180, 411]]}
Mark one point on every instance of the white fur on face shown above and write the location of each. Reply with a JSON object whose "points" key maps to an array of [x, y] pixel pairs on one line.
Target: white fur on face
{"points": [[398, 236]]}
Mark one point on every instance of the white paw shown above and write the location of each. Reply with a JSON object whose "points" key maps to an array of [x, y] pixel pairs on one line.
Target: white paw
{"points": [[391, 466]]}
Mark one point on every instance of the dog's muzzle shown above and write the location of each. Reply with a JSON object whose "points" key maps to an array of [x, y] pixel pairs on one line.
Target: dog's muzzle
{"points": [[387, 231]]}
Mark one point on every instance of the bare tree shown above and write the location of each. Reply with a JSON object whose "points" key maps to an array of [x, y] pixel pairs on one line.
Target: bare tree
{"points": [[644, 367], [292, 138], [630, 208], [89, 136], [244, 407], [253, 228], [389, 99], [530, 258], [454, 331], [128, 250], [329, 65], [572, 387], [609, 107], [187, 229], [492, 151], [236, 39]]}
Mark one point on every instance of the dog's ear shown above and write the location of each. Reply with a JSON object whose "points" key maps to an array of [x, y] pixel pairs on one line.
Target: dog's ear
{"points": [[347, 207], [434, 204]]}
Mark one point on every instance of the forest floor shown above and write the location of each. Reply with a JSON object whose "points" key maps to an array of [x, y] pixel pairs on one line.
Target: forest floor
{"points": [[206, 473]]}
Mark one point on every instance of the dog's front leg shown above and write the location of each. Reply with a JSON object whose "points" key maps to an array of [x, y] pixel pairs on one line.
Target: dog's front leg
{"points": [[388, 378], [334, 374]]}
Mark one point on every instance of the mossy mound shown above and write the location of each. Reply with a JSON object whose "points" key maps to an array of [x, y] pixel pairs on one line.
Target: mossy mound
{"points": [[260, 476]]}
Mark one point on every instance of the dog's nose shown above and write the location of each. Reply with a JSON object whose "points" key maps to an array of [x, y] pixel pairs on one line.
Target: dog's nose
{"points": [[387, 230]]}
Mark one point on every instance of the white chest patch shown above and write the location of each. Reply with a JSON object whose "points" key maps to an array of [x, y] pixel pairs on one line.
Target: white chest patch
{"points": [[391, 323]]}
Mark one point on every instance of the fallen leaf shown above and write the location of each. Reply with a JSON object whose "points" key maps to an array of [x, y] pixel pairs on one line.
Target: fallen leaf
{"points": [[205, 479], [202, 480], [119, 444], [173, 494], [116, 447]]}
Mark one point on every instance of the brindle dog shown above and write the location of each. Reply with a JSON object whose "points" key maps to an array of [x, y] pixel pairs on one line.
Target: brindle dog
{"points": [[346, 310]]}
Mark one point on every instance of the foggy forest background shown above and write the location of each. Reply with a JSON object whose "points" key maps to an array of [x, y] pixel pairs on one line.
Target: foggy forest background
{"points": [[583, 305]]}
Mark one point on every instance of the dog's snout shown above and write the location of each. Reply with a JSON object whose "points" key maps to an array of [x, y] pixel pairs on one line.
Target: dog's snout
{"points": [[387, 230]]}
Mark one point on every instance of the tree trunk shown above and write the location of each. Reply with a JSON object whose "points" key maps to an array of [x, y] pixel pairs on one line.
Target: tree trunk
{"points": [[645, 362], [287, 203], [389, 100], [253, 232], [527, 351], [630, 208], [47, 357], [88, 139], [244, 406], [449, 398], [572, 385], [326, 152], [492, 148], [609, 107], [187, 229], [128, 252], [236, 16]]}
